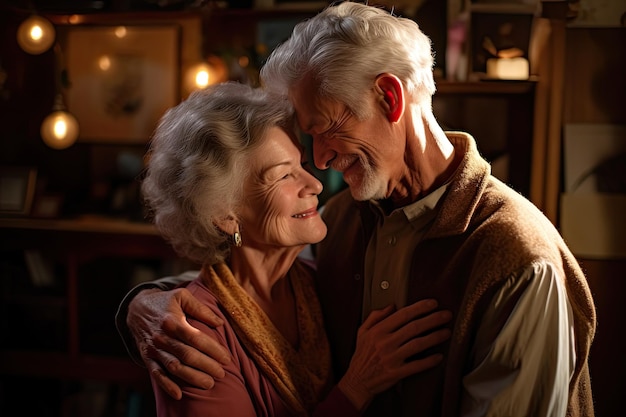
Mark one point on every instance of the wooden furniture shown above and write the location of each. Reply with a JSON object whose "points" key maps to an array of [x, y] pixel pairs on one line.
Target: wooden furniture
{"points": [[500, 116], [88, 349]]}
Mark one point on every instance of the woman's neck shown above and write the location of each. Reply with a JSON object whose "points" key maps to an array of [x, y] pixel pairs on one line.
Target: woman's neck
{"points": [[263, 275], [262, 271]]}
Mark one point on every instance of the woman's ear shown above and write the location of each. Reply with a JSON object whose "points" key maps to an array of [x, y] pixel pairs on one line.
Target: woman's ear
{"points": [[228, 225], [391, 94]]}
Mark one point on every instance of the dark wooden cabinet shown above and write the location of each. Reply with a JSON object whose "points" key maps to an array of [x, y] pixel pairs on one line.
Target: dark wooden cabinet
{"points": [[59, 306]]}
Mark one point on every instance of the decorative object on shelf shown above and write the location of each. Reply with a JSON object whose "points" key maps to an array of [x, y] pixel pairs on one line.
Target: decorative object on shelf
{"points": [[507, 64], [123, 79], [59, 129], [36, 35], [17, 188], [499, 41], [507, 68]]}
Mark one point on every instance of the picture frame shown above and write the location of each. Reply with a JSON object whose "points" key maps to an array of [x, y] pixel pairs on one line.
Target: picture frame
{"points": [[17, 188], [122, 78]]}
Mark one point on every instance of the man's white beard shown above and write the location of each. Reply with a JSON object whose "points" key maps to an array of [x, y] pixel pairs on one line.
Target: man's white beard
{"points": [[369, 187]]}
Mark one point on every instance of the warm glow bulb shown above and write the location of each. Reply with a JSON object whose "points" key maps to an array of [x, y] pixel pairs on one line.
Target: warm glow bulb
{"points": [[202, 78], [59, 130], [104, 62], [198, 77], [205, 73], [120, 32], [35, 35], [244, 61]]}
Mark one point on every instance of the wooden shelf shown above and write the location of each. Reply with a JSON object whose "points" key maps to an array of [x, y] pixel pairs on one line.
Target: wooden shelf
{"points": [[503, 8], [85, 238], [35, 300], [504, 87], [91, 224], [74, 243]]}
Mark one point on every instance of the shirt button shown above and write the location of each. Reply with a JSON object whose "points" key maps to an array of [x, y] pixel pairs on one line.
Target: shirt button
{"points": [[384, 285], [392, 241], [357, 277]]}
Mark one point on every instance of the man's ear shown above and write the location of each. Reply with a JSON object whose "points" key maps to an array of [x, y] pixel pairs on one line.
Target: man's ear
{"points": [[391, 94]]}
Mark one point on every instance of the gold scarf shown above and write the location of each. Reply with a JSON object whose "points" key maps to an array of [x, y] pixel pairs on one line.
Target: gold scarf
{"points": [[301, 376]]}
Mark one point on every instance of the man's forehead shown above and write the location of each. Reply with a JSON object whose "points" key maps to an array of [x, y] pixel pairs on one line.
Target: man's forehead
{"points": [[305, 117], [309, 110]]}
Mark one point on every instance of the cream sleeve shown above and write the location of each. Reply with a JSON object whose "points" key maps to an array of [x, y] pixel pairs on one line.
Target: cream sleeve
{"points": [[525, 370]]}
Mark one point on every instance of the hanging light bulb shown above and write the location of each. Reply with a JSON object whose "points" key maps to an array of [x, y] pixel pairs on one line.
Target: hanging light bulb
{"points": [[35, 35], [59, 129]]}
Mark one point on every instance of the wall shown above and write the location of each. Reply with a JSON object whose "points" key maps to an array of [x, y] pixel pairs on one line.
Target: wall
{"points": [[595, 87]]}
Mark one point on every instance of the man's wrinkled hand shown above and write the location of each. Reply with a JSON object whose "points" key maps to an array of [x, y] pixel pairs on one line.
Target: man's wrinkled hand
{"points": [[170, 347]]}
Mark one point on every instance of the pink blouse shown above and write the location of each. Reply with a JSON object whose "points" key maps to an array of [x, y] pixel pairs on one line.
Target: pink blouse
{"points": [[244, 391]]}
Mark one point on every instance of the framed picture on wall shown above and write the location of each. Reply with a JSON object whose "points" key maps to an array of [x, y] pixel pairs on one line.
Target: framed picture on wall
{"points": [[122, 78], [17, 188]]}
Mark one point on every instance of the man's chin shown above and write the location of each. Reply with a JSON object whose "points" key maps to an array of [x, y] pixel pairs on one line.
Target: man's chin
{"points": [[365, 192]]}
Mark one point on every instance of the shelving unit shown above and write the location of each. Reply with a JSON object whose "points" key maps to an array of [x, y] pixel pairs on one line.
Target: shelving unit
{"points": [[508, 131], [61, 343]]}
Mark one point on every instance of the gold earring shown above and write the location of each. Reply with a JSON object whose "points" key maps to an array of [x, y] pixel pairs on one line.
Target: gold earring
{"points": [[237, 239]]}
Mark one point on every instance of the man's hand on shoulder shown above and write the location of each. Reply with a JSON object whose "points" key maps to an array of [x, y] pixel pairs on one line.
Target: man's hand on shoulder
{"points": [[169, 345]]}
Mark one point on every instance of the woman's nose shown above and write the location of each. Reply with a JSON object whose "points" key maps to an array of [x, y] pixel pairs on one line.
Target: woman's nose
{"points": [[312, 184]]}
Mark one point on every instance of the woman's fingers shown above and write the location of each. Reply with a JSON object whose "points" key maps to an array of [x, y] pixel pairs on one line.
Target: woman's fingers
{"points": [[376, 316], [420, 344], [419, 365], [407, 314], [397, 327], [419, 327]]}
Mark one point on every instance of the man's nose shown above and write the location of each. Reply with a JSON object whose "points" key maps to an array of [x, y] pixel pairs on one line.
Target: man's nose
{"points": [[322, 154]]}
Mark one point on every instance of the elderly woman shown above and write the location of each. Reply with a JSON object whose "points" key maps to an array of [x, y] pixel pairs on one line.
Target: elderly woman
{"points": [[227, 186]]}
